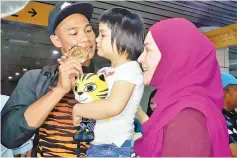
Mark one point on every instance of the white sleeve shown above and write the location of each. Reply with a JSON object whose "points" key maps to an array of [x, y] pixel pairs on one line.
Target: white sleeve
{"points": [[130, 72]]}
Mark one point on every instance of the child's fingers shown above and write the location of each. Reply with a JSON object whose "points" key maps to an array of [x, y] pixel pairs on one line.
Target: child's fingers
{"points": [[76, 120]]}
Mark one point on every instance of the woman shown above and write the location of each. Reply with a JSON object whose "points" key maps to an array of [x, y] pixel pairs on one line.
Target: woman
{"points": [[181, 63]]}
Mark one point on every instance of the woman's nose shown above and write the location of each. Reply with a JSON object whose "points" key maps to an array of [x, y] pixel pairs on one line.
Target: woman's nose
{"points": [[141, 58]]}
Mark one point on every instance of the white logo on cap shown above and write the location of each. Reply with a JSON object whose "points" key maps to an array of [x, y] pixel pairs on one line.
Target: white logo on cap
{"points": [[65, 4]]}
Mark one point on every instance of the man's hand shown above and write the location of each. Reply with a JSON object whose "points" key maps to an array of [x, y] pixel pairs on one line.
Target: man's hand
{"points": [[76, 119], [69, 68], [37, 112]]}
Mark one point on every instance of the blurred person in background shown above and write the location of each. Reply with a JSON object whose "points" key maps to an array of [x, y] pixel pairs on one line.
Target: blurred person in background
{"points": [[229, 84]]}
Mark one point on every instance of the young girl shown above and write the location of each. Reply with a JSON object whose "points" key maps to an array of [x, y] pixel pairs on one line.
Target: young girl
{"points": [[120, 40]]}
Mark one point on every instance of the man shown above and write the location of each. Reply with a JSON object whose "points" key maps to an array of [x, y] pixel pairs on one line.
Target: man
{"points": [[229, 83], [42, 102]]}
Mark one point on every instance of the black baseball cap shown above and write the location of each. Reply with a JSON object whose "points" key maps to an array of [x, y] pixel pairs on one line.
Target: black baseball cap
{"points": [[65, 9]]}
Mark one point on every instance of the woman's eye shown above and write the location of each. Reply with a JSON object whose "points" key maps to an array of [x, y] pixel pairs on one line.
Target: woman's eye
{"points": [[147, 49], [74, 34]]}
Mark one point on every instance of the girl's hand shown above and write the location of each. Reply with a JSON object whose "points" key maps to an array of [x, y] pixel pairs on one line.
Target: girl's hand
{"points": [[76, 119]]}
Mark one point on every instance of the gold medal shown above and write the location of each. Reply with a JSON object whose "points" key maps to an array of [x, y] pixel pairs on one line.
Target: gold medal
{"points": [[78, 52]]}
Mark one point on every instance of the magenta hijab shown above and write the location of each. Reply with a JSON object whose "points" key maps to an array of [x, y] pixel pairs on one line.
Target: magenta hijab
{"points": [[187, 75]]}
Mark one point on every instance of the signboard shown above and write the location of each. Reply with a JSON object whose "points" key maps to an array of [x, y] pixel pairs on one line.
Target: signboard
{"points": [[223, 37], [34, 13]]}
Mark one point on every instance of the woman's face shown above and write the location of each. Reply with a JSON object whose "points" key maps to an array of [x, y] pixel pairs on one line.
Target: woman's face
{"points": [[149, 58]]}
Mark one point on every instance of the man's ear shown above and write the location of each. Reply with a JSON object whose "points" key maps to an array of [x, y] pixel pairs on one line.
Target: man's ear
{"points": [[55, 40]]}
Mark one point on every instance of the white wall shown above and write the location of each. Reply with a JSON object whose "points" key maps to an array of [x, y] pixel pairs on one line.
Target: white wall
{"points": [[222, 54], [4, 99], [4, 151], [223, 58]]}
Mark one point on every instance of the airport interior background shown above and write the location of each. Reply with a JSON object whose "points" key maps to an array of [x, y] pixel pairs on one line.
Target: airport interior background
{"points": [[25, 42]]}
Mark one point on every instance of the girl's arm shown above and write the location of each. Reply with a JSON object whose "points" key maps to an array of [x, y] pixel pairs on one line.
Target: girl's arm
{"points": [[114, 105]]}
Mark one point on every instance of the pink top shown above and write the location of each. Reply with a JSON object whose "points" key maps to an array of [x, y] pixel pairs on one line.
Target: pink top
{"points": [[188, 134]]}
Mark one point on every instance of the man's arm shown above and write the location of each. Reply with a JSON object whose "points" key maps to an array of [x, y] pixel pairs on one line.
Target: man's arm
{"points": [[17, 129], [37, 112]]}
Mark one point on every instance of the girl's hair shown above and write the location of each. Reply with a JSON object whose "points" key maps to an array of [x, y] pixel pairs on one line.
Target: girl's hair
{"points": [[127, 30]]}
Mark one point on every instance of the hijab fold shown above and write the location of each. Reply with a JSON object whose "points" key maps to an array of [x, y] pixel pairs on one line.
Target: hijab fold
{"points": [[187, 75]]}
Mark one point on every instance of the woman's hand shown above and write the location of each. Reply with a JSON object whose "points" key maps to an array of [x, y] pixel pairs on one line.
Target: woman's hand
{"points": [[141, 115]]}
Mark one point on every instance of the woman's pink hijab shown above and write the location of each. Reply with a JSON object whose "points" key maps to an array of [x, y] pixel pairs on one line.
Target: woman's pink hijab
{"points": [[188, 75]]}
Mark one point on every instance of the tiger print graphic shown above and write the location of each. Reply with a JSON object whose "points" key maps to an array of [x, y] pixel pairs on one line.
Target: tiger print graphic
{"points": [[56, 134]]}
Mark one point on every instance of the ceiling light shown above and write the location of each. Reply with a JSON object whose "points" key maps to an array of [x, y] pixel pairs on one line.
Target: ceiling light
{"points": [[55, 52], [19, 41], [37, 63], [24, 69], [10, 77], [17, 73]]}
